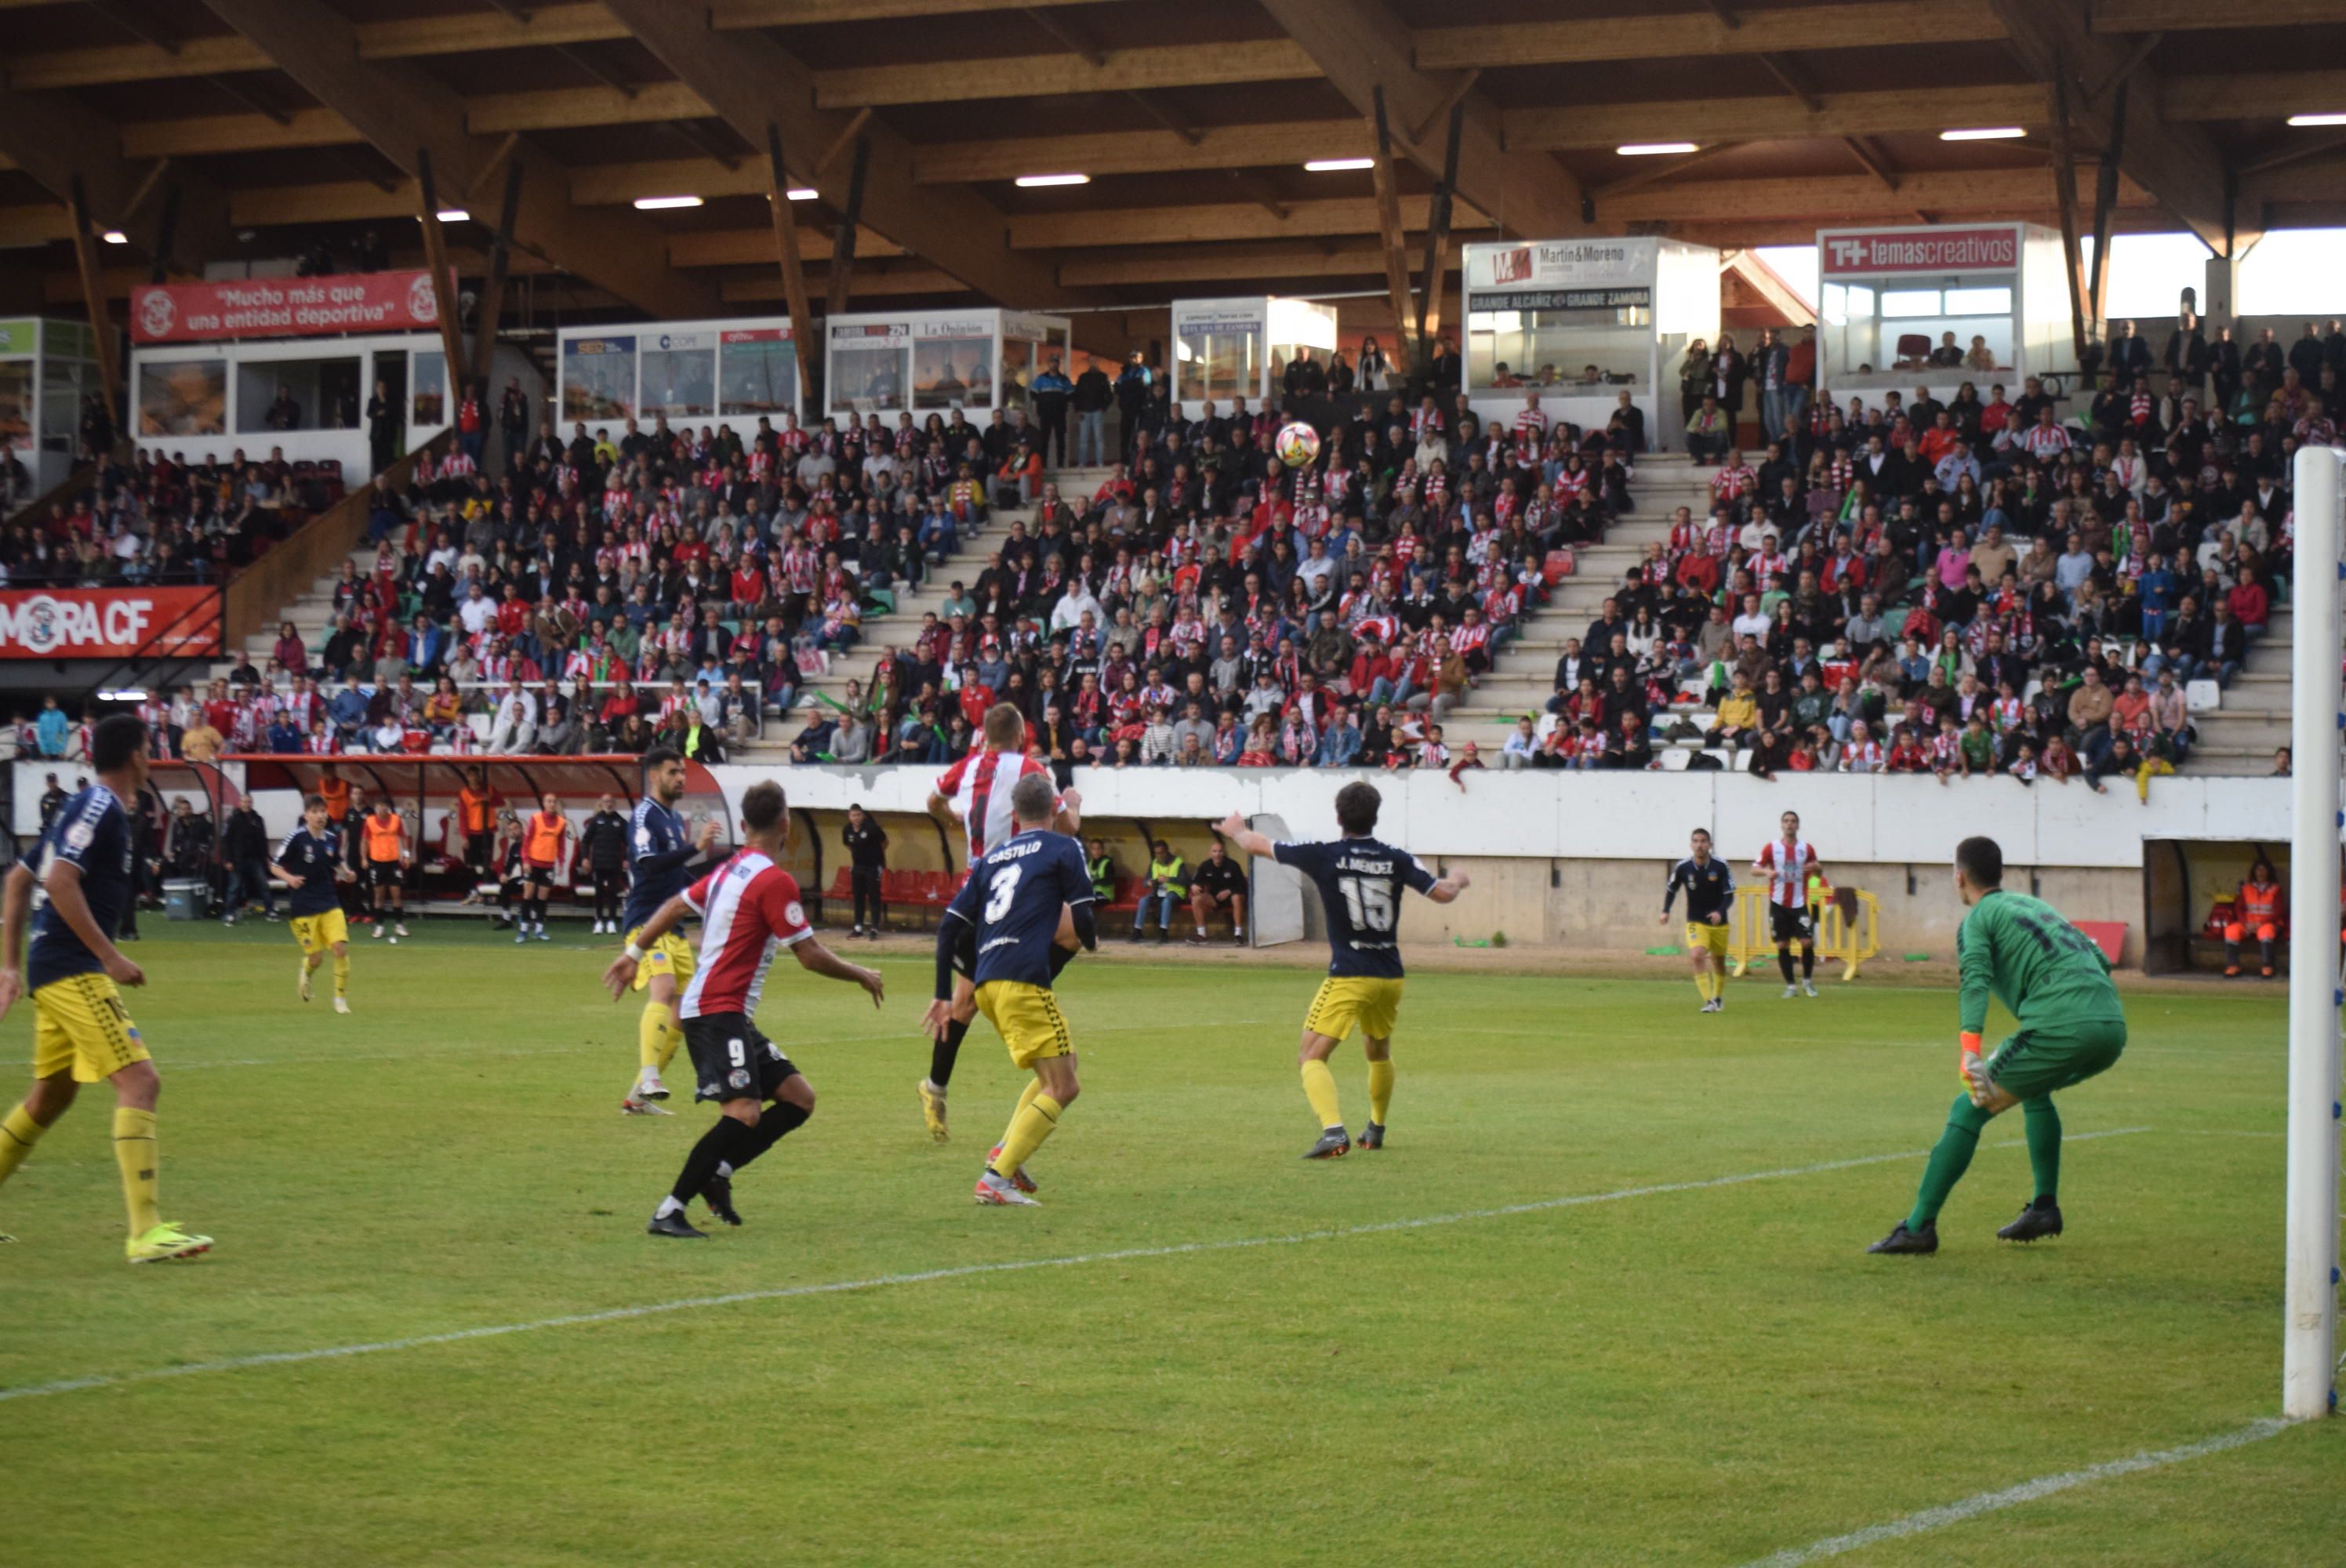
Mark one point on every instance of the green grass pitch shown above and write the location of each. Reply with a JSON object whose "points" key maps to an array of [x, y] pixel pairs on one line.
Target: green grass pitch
{"points": [[1704, 1375]]}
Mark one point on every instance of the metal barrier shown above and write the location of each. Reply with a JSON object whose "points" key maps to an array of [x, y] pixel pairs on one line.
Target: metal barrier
{"points": [[1848, 927]]}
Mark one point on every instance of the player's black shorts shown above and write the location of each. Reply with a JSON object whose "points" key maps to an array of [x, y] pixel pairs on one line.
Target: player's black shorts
{"points": [[538, 876], [1792, 924], [731, 1060], [383, 873]]}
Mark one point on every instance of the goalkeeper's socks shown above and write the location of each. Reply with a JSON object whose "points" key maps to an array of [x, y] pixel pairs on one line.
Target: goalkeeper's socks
{"points": [[1949, 1160], [1784, 962], [2042, 1124]]}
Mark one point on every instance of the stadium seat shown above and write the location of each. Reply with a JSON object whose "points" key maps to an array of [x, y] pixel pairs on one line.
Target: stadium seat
{"points": [[2203, 697], [1675, 760]]}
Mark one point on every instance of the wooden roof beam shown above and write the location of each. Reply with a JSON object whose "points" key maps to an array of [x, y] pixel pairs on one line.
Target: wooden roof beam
{"points": [[2183, 16], [1869, 24], [54, 139], [752, 82], [1220, 221], [406, 114], [1361, 46], [1773, 118]]}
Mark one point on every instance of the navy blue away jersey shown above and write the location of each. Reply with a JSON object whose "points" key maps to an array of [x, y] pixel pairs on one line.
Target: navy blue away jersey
{"points": [[1710, 890], [659, 859], [1012, 898], [1360, 882], [313, 857], [92, 833]]}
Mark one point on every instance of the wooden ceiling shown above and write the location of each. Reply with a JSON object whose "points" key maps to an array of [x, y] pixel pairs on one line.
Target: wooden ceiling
{"points": [[268, 124]]}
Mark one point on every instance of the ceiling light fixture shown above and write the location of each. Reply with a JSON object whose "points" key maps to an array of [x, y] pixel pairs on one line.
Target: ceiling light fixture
{"points": [[1038, 182], [115, 236], [802, 193], [1984, 133], [1339, 165], [1654, 149], [665, 203], [2303, 120], [452, 215]]}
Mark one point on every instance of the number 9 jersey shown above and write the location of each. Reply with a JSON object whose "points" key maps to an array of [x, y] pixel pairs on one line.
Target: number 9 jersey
{"points": [[1360, 882]]}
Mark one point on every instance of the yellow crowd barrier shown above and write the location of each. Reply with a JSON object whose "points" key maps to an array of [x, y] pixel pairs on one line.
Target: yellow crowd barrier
{"points": [[1848, 927]]}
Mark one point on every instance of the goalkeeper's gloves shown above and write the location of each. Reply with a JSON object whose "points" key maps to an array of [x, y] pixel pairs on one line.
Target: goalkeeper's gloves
{"points": [[1967, 1067]]}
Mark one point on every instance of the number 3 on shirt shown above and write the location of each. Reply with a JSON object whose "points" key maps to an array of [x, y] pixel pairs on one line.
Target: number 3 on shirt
{"points": [[1370, 903], [1005, 889]]}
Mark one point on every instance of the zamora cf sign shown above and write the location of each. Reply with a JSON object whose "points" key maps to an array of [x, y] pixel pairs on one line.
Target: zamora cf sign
{"points": [[101, 623]]}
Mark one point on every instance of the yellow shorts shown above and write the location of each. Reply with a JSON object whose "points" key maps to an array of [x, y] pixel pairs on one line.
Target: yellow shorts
{"points": [[79, 1022], [670, 955], [318, 933], [1701, 935], [1345, 1001], [1027, 1018]]}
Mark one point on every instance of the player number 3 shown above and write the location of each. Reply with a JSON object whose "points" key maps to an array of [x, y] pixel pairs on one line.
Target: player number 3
{"points": [[1006, 888], [1370, 903]]}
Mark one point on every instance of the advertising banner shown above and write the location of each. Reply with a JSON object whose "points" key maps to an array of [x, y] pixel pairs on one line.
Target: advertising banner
{"points": [[1860, 253], [398, 301], [109, 623]]}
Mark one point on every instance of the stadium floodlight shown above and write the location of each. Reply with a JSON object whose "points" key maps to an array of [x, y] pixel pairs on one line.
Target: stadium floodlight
{"points": [[2310, 1293]]}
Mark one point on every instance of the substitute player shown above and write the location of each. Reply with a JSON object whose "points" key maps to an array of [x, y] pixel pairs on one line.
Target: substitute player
{"points": [[1360, 881], [1004, 924], [1711, 899], [1789, 863], [384, 834], [309, 862], [541, 854], [978, 790], [660, 866], [2056, 982], [749, 908], [81, 878]]}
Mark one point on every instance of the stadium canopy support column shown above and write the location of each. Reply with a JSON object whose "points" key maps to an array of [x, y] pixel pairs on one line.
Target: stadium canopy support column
{"points": [[786, 249], [492, 292], [2309, 1300]]}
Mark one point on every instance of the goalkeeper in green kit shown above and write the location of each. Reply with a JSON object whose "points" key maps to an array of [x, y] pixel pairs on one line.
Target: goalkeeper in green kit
{"points": [[2058, 984]]}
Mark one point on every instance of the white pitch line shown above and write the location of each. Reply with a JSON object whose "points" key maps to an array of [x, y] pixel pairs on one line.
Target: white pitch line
{"points": [[961, 1271], [1972, 1507]]}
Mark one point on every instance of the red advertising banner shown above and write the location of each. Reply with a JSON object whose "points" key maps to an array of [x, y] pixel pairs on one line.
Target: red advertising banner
{"points": [[109, 623], [1890, 250], [398, 301]]}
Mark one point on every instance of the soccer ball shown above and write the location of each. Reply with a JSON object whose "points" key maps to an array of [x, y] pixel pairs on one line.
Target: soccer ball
{"points": [[1296, 444]]}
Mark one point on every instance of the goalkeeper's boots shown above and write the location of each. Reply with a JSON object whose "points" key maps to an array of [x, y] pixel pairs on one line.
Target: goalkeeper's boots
{"points": [[1373, 1137], [2040, 1217], [165, 1242], [1335, 1144], [1018, 1178], [1001, 1192], [676, 1225], [1900, 1239], [719, 1196]]}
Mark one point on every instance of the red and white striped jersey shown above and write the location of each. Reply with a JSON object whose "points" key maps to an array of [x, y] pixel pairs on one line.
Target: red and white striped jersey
{"points": [[979, 788], [749, 908], [1788, 866]]}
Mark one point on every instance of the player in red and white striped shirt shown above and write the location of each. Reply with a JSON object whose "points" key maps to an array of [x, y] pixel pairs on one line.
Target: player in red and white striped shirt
{"points": [[977, 791], [1789, 863], [749, 910]]}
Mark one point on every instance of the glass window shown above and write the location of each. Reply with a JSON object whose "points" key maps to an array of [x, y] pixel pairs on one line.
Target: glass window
{"points": [[64, 383], [1902, 303], [17, 402], [760, 368], [183, 397], [598, 379], [1017, 370], [955, 370], [1881, 337], [277, 395], [1979, 302], [428, 405], [1608, 346], [1217, 365], [680, 380], [867, 368]]}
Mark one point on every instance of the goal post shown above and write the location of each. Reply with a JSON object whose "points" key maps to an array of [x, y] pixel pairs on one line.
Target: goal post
{"points": [[2310, 1332]]}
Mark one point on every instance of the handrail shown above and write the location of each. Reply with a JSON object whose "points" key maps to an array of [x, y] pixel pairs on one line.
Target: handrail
{"points": [[213, 606], [83, 476]]}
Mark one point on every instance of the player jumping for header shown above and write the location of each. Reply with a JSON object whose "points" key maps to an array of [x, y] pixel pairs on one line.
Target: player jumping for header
{"points": [[2058, 984]]}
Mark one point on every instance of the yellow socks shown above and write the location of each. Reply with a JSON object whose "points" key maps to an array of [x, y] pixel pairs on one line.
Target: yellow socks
{"points": [[1380, 1082], [1026, 1095], [656, 1037], [133, 1152], [1037, 1119], [18, 1134], [342, 974], [1319, 1088]]}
